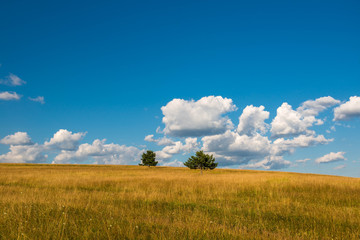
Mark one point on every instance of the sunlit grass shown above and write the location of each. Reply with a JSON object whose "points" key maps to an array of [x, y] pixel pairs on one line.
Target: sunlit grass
{"points": [[132, 202]]}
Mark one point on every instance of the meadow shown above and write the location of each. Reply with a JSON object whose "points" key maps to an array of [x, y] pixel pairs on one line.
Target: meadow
{"points": [[133, 202]]}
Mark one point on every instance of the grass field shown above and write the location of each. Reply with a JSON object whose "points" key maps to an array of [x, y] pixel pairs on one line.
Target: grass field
{"points": [[132, 202]]}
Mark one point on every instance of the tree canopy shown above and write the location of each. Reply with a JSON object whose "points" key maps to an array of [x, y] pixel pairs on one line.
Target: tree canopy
{"points": [[201, 161], [148, 159]]}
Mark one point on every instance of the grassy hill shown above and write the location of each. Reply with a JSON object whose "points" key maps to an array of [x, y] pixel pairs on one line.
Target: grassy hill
{"points": [[132, 202]]}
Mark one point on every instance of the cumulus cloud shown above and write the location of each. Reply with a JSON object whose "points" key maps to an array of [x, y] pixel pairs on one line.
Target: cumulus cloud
{"points": [[18, 138], [248, 144], [237, 148], [7, 96], [175, 163], [102, 153], [164, 141], [281, 146], [12, 80], [232, 149], [150, 138], [184, 118], [24, 154], [270, 163], [348, 110], [178, 147], [331, 157], [307, 140], [252, 120], [22, 150], [289, 122], [191, 144], [314, 107], [39, 99], [64, 139]]}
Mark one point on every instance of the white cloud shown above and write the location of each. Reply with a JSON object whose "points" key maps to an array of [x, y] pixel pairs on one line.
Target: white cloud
{"points": [[150, 138], [175, 163], [164, 141], [281, 146], [307, 140], [12, 80], [303, 160], [7, 96], [314, 107], [231, 148], [39, 99], [191, 144], [348, 110], [184, 118], [162, 155], [18, 138], [64, 139], [331, 157], [102, 153], [238, 148], [339, 167], [270, 163], [24, 154], [289, 122], [178, 147], [127, 155], [158, 130], [249, 143], [252, 120], [173, 149]]}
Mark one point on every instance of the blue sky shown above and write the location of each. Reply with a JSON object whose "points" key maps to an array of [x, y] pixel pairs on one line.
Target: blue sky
{"points": [[107, 69]]}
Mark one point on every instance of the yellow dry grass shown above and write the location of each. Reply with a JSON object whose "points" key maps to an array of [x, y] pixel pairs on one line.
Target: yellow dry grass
{"points": [[132, 202]]}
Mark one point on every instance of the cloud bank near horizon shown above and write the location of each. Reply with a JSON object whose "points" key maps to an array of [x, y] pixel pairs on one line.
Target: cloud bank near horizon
{"points": [[257, 141], [66, 147]]}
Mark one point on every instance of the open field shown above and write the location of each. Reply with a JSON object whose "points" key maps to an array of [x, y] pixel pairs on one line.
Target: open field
{"points": [[132, 202]]}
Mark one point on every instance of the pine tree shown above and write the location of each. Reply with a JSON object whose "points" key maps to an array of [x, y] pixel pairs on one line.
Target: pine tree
{"points": [[148, 159], [201, 161]]}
